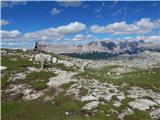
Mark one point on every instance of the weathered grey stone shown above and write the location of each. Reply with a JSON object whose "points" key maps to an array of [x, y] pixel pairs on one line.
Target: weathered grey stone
{"points": [[66, 63], [19, 76], [155, 114], [61, 78], [117, 103], [88, 98], [91, 105], [3, 68], [142, 104], [43, 58], [54, 59], [127, 111]]}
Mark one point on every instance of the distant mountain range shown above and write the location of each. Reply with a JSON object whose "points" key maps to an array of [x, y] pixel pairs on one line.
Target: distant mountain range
{"points": [[101, 49]]}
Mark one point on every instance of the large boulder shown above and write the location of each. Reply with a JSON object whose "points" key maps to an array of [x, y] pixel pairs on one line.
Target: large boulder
{"points": [[43, 58], [3, 68], [142, 104], [66, 63], [54, 59]]}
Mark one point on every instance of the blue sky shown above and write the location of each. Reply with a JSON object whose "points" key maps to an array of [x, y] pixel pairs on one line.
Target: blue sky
{"points": [[73, 23]]}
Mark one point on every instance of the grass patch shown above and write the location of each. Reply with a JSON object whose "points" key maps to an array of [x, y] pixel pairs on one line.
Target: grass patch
{"points": [[108, 109], [38, 80], [38, 110], [144, 78], [138, 115], [124, 104], [4, 80], [65, 68], [42, 75], [83, 91], [17, 65], [39, 85], [99, 74], [65, 86]]}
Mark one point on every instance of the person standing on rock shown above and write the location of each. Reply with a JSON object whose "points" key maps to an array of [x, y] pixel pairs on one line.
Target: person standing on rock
{"points": [[36, 46]]}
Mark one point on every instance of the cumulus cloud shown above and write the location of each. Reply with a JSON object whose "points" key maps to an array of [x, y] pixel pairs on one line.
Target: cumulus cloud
{"points": [[80, 37], [144, 25], [70, 3], [10, 35], [56, 33], [4, 22], [56, 11], [152, 38]]}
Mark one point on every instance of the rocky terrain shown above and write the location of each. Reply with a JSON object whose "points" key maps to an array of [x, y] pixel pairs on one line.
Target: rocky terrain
{"points": [[47, 86]]}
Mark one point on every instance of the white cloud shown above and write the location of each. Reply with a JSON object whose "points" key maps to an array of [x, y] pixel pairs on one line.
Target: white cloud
{"points": [[82, 37], [10, 35], [55, 11], [4, 22], [152, 38], [70, 3], [56, 33], [144, 25], [11, 4], [79, 37]]}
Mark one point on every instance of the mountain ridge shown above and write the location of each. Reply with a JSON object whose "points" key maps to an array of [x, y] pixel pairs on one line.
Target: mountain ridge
{"points": [[103, 49]]}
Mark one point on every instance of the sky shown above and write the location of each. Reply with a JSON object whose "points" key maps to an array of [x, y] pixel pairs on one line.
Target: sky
{"points": [[77, 22]]}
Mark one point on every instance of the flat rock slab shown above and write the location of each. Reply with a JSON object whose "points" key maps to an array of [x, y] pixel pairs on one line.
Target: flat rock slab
{"points": [[88, 98], [19, 76], [91, 105], [142, 104], [62, 78], [3, 68]]}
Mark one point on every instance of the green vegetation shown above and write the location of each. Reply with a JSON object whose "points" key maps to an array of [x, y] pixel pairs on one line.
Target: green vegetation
{"points": [[18, 64], [14, 108], [65, 86], [83, 91], [138, 115], [124, 104], [4, 80], [14, 66], [40, 75], [109, 109], [99, 74], [144, 78], [39, 110], [63, 67], [38, 80], [39, 85]]}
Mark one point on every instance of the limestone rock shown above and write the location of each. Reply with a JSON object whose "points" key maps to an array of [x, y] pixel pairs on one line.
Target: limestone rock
{"points": [[3, 68], [43, 58], [88, 98], [66, 63], [91, 105], [142, 104]]}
